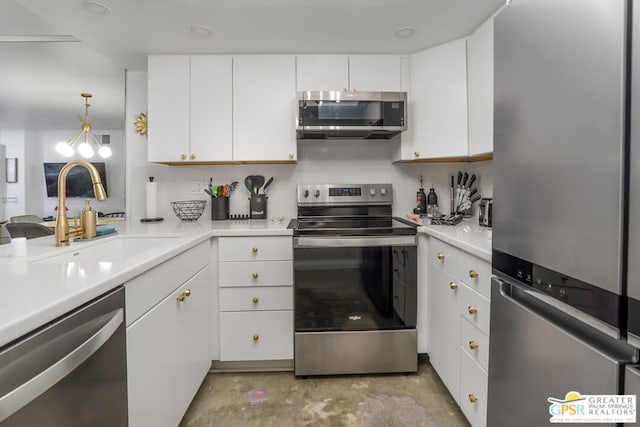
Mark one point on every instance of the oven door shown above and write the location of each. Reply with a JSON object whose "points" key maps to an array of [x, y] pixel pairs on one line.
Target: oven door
{"points": [[355, 283]]}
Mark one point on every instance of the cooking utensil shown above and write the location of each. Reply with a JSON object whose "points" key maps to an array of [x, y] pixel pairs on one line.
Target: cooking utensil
{"points": [[233, 185], [225, 190], [248, 182], [258, 182], [264, 189], [206, 190]]}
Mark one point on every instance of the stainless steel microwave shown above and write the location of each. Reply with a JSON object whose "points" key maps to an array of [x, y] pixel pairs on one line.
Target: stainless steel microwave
{"points": [[351, 115]]}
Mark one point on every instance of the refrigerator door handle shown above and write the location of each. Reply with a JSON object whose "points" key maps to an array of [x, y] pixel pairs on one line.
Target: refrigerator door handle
{"points": [[591, 331]]}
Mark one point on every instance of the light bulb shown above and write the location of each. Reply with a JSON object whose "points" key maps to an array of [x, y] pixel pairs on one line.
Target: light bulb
{"points": [[85, 150], [64, 149], [104, 152]]}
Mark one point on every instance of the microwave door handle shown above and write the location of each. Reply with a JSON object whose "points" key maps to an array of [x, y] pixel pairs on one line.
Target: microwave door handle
{"points": [[19, 397]]}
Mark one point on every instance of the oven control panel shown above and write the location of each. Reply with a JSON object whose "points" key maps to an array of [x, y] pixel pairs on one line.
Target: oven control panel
{"points": [[353, 194]]}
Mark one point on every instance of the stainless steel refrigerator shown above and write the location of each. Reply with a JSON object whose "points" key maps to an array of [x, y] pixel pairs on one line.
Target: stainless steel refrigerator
{"points": [[565, 212]]}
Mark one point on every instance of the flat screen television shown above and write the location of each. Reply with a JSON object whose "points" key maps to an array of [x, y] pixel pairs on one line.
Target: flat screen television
{"points": [[78, 180]]}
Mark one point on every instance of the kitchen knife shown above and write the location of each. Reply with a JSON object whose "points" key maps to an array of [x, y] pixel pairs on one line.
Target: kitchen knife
{"points": [[458, 190], [452, 191], [475, 198], [471, 181]]}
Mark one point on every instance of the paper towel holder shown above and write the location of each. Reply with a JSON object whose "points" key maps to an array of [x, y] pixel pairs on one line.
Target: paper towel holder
{"points": [[154, 219]]}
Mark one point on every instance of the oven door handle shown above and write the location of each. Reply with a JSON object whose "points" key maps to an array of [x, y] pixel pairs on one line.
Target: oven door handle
{"points": [[353, 242]]}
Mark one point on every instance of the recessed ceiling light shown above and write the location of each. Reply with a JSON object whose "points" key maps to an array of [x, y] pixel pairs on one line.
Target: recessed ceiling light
{"points": [[404, 32], [201, 30], [96, 8]]}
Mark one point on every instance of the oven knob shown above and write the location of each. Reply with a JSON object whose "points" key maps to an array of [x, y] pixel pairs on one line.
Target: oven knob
{"points": [[372, 191], [306, 193], [383, 191], [317, 193]]}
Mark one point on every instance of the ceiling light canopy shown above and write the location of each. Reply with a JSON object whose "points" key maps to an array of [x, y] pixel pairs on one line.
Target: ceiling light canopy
{"points": [[404, 32], [84, 148], [201, 30], [96, 8]]}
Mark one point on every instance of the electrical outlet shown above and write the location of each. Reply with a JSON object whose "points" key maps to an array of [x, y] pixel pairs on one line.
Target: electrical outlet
{"points": [[197, 187]]}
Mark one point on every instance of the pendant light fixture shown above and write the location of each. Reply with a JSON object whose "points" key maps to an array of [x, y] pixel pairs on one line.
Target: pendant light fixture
{"points": [[84, 148]]}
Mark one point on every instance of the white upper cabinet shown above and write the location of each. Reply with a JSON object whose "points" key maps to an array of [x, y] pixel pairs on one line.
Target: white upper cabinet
{"points": [[264, 103], [438, 102], [190, 110], [373, 73], [322, 72], [362, 73], [211, 100], [168, 103], [480, 79]]}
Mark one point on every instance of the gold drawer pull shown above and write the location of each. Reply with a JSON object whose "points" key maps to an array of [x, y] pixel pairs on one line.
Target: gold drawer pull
{"points": [[183, 295], [472, 309], [440, 256], [183, 156], [255, 300], [453, 285], [416, 154], [472, 398], [256, 337], [473, 274], [473, 345], [290, 156], [254, 275], [193, 157], [254, 249]]}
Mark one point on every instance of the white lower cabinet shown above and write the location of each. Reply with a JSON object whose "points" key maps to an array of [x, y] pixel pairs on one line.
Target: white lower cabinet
{"points": [[169, 353], [459, 312], [255, 282]]}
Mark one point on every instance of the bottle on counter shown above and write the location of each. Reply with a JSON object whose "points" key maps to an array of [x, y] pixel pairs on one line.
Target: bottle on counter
{"points": [[432, 204], [88, 221], [421, 200]]}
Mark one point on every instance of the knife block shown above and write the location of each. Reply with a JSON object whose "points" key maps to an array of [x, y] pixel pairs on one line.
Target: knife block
{"points": [[258, 206], [219, 208]]}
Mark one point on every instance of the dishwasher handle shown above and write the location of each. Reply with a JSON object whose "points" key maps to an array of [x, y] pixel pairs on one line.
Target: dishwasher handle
{"points": [[22, 395]]}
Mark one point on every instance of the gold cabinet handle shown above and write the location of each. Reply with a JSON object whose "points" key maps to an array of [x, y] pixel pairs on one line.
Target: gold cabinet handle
{"points": [[183, 295], [344, 89], [472, 398], [183, 156], [290, 156], [254, 275], [453, 285], [417, 154], [256, 337], [440, 256], [254, 249], [193, 157], [473, 274], [472, 309], [255, 300], [473, 345]]}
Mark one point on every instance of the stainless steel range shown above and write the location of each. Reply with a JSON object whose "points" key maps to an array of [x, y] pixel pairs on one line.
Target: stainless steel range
{"points": [[355, 282]]}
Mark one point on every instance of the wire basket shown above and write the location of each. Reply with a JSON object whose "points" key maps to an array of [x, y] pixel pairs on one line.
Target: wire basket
{"points": [[188, 210]]}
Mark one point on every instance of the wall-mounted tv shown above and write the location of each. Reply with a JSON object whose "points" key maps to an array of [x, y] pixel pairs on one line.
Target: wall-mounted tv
{"points": [[78, 180]]}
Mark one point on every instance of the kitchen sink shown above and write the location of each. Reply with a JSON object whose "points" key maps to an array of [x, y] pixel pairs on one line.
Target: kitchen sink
{"points": [[114, 249]]}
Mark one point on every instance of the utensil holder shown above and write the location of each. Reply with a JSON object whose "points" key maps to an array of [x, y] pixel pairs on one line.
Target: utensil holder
{"points": [[258, 206], [219, 208]]}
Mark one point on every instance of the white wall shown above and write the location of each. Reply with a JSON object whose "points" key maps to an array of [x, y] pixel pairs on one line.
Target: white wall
{"points": [[14, 142], [318, 162]]}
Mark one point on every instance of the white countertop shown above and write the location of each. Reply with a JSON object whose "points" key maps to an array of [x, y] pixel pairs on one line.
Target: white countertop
{"points": [[35, 291], [467, 235]]}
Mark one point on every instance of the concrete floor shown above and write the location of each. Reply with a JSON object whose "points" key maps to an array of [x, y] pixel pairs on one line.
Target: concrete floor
{"points": [[282, 400]]}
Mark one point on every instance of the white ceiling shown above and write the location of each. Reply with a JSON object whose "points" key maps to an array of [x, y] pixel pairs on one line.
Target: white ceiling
{"points": [[40, 83]]}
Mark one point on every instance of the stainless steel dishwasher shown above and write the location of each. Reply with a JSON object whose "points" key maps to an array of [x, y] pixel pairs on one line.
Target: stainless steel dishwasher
{"points": [[70, 372]]}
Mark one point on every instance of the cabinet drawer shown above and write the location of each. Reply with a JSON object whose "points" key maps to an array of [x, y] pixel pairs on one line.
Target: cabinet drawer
{"points": [[475, 308], [468, 268], [473, 391], [146, 290], [255, 248], [474, 343], [256, 299], [256, 335], [260, 273]]}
